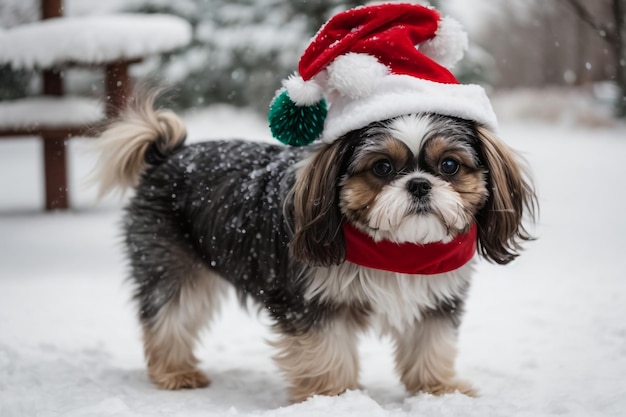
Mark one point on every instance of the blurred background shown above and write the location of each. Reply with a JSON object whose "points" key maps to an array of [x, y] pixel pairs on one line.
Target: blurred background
{"points": [[544, 336], [571, 51]]}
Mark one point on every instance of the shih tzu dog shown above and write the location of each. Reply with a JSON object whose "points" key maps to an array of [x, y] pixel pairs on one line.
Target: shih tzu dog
{"points": [[373, 225]]}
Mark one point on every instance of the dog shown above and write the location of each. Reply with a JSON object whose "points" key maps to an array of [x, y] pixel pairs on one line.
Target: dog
{"points": [[374, 225], [268, 219]]}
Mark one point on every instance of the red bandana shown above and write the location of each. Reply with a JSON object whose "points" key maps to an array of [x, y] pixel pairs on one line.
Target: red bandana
{"points": [[409, 258]]}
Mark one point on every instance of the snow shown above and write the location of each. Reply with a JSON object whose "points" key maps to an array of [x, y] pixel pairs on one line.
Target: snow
{"points": [[91, 39], [544, 336], [50, 112], [591, 105]]}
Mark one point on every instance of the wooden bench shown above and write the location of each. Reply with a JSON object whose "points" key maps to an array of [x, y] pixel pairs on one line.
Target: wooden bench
{"points": [[55, 44]]}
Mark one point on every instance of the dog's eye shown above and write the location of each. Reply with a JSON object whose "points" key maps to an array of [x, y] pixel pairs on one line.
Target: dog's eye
{"points": [[382, 168], [449, 166]]}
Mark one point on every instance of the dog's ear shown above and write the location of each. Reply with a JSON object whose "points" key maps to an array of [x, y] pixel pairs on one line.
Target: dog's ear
{"points": [[318, 237], [512, 199]]}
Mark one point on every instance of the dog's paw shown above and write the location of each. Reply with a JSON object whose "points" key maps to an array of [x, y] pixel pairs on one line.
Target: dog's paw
{"points": [[300, 393], [181, 380], [450, 387]]}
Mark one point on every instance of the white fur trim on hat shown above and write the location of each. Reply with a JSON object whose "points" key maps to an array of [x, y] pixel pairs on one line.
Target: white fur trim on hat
{"points": [[303, 93], [355, 75], [397, 95], [449, 44]]}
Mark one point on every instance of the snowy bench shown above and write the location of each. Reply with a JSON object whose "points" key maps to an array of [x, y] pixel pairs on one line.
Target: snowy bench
{"points": [[52, 45], [61, 116]]}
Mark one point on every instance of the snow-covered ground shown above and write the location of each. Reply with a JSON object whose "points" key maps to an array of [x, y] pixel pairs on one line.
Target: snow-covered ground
{"points": [[545, 336]]}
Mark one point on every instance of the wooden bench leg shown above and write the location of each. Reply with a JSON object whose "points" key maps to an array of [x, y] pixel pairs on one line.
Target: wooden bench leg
{"points": [[55, 171], [54, 159], [118, 87]]}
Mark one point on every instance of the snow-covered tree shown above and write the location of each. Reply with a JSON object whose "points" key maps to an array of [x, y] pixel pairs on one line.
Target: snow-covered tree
{"points": [[242, 49], [14, 84]]}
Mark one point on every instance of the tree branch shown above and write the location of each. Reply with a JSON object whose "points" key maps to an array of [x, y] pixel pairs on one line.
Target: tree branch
{"points": [[602, 30]]}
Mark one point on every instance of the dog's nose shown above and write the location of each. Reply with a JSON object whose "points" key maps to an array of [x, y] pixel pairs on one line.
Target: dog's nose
{"points": [[419, 187]]}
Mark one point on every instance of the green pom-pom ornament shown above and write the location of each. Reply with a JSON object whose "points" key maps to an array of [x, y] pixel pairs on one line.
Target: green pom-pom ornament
{"points": [[296, 125]]}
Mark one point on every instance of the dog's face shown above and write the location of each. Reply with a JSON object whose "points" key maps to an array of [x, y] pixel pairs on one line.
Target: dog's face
{"points": [[416, 178]]}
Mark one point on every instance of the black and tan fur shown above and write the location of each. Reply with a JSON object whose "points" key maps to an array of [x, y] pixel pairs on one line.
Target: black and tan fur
{"points": [[267, 219]]}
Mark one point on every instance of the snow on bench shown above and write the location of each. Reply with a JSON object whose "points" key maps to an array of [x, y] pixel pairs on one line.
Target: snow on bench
{"points": [[50, 112], [91, 39], [112, 42]]}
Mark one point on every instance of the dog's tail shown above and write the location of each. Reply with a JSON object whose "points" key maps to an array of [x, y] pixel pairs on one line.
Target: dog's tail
{"points": [[140, 137]]}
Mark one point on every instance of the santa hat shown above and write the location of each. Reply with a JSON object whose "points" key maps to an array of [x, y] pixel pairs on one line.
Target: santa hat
{"points": [[373, 63]]}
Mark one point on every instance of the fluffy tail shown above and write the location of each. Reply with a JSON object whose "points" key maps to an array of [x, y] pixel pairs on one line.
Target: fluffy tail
{"points": [[140, 137]]}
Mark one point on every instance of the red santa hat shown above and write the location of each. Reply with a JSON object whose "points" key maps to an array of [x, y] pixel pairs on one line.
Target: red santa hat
{"points": [[373, 63]]}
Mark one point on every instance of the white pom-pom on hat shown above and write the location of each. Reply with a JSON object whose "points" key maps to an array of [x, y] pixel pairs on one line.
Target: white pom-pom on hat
{"points": [[355, 75], [449, 44], [303, 93]]}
